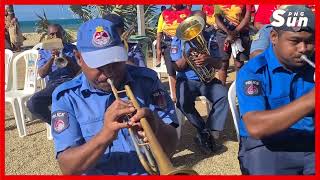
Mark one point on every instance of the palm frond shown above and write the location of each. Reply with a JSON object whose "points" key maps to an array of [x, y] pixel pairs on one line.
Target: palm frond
{"points": [[42, 28], [127, 12], [42, 25]]}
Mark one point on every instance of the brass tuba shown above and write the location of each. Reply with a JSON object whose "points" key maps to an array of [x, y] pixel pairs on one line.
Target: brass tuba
{"points": [[151, 155], [190, 31]]}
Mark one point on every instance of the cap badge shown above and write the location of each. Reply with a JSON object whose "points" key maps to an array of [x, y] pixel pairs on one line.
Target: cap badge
{"points": [[296, 27], [100, 38]]}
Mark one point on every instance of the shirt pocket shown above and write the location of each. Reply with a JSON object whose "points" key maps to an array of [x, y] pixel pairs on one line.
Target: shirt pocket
{"points": [[279, 102], [91, 127]]}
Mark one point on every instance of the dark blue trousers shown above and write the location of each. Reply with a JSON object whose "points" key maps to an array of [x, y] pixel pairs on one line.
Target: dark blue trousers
{"points": [[215, 92], [39, 103], [257, 157]]}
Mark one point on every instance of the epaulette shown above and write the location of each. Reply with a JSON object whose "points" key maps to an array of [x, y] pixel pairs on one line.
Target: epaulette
{"points": [[66, 86], [256, 63]]}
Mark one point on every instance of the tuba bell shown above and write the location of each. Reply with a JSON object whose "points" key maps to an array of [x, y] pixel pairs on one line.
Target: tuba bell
{"points": [[56, 44], [151, 155], [190, 31]]}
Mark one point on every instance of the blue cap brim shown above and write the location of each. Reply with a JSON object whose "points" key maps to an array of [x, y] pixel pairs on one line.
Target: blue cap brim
{"points": [[98, 58]]}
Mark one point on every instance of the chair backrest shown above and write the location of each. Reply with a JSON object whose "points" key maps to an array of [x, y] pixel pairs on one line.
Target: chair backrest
{"points": [[37, 46], [154, 53], [233, 106], [162, 68], [30, 80], [8, 73]]}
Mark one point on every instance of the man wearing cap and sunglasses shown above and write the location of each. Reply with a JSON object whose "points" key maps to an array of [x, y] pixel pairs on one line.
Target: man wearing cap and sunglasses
{"points": [[39, 103], [88, 127], [276, 98]]}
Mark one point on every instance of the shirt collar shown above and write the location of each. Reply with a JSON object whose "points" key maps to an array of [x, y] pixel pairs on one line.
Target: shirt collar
{"points": [[273, 61]]}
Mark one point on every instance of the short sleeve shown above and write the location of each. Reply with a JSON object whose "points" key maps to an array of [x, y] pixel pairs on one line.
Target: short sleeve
{"points": [[44, 56], [176, 49], [250, 92], [160, 24], [65, 128], [162, 104], [261, 40]]}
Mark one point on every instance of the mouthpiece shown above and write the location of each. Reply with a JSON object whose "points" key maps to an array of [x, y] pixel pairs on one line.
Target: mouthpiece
{"points": [[110, 82], [304, 58]]}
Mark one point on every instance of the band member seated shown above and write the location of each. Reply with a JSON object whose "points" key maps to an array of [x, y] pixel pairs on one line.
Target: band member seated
{"points": [[168, 22], [39, 103], [277, 101], [189, 87], [88, 127]]}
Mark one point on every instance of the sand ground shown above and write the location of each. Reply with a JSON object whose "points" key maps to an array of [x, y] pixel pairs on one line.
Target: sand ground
{"points": [[34, 154]]}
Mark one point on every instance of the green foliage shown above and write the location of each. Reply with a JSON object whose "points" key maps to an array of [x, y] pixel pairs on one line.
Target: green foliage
{"points": [[127, 12], [42, 28], [42, 25]]}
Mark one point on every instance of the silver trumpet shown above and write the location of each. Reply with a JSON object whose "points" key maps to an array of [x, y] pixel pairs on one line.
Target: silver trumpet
{"points": [[307, 60], [60, 61], [56, 44]]}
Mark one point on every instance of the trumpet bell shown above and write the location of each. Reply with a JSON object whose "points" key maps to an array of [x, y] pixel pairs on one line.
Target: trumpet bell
{"points": [[183, 171], [190, 28], [61, 62], [56, 44]]}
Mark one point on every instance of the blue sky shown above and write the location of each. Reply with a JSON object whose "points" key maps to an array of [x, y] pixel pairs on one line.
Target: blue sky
{"points": [[28, 12]]}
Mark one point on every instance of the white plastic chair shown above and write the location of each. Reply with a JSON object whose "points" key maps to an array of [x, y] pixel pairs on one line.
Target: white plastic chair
{"points": [[233, 107], [162, 68], [8, 77], [17, 97], [42, 82], [37, 46]]}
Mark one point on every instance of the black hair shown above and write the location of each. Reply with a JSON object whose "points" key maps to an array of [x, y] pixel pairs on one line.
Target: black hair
{"points": [[60, 28], [278, 30], [163, 8]]}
